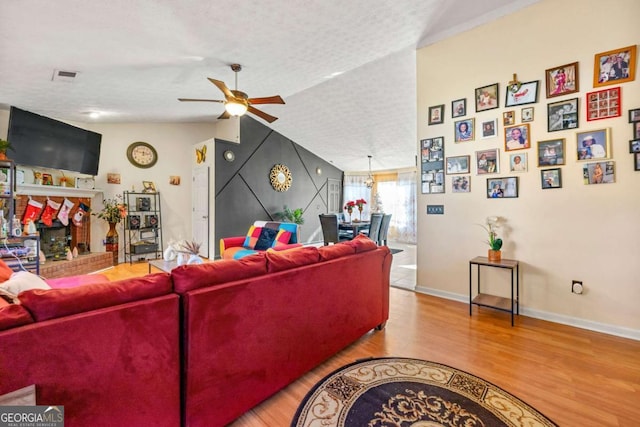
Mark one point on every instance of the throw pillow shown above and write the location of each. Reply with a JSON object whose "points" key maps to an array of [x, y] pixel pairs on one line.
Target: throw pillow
{"points": [[282, 239], [5, 271], [23, 281], [265, 240], [252, 237]]}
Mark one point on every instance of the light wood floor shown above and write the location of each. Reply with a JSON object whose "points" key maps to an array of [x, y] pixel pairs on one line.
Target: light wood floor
{"points": [[573, 376]]}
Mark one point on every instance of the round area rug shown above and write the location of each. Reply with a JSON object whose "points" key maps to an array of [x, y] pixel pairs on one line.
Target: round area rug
{"points": [[403, 392]]}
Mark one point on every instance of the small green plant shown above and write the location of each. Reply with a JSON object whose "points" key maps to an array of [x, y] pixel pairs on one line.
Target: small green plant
{"points": [[289, 215], [5, 145], [495, 243]]}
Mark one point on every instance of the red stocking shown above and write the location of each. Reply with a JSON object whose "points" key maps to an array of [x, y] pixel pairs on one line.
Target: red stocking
{"points": [[63, 213], [49, 210], [32, 212]]}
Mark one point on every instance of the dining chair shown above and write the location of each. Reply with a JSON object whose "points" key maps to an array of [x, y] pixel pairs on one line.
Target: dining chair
{"points": [[384, 229], [330, 232], [374, 227]]}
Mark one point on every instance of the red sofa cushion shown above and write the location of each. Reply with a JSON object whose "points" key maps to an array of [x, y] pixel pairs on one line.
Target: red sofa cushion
{"points": [[291, 258], [335, 251], [189, 277], [53, 303], [361, 243], [5, 271], [14, 315]]}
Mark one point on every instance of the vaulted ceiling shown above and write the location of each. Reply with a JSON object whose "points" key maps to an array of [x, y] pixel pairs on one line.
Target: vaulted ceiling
{"points": [[346, 69]]}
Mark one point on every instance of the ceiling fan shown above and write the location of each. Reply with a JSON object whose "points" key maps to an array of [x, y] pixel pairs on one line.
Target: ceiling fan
{"points": [[236, 102]]}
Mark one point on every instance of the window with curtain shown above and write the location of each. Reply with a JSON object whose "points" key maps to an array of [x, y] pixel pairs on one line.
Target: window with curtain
{"points": [[354, 189]]}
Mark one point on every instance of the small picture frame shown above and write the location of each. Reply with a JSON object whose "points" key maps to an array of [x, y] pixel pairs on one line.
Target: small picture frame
{"points": [[508, 118], [502, 188], [461, 184], [487, 97], [522, 94], [47, 179], [517, 137], [599, 173], [487, 161], [113, 178], [551, 178], [489, 129], [518, 162], [636, 161], [432, 165], [614, 66], [562, 80], [148, 187], [563, 115], [526, 114], [593, 144], [604, 104], [458, 108], [436, 115], [464, 130], [634, 146], [458, 164], [634, 115], [551, 152], [636, 130], [174, 180]]}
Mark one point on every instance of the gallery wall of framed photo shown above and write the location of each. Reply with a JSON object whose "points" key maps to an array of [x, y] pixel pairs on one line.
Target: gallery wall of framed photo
{"points": [[532, 135]]}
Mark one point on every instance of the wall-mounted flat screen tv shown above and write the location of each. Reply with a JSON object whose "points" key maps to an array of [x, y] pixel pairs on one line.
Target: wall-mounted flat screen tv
{"points": [[48, 143]]}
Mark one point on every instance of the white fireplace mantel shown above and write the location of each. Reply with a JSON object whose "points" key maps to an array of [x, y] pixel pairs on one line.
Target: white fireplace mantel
{"points": [[53, 190]]}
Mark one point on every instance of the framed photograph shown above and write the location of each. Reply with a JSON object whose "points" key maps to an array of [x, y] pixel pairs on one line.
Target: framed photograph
{"points": [[551, 152], [599, 173], [614, 66], [636, 161], [551, 178], [487, 97], [487, 161], [47, 179], [634, 146], [458, 164], [489, 129], [148, 187], [562, 115], [634, 115], [113, 178], [436, 114], [636, 130], [525, 93], [432, 165], [517, 137], [458, 108], [562, 80], [518, 162], [594, 144], [508, 118], [526, 114], [461, 184], [174, 180], [464, 130], [604, 104], [502, 188]]}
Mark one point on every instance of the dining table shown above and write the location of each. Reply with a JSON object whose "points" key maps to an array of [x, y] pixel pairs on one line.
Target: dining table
{"points": [[354, 226]]}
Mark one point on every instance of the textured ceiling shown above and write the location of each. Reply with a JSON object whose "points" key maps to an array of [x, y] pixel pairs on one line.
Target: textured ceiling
{"points": [[135, 58]]}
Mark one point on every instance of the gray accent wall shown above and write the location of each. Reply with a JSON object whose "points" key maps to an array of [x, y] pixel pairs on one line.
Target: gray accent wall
{"points": [[243, 192]]}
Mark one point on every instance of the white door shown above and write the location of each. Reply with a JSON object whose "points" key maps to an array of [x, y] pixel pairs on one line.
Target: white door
{"points": [[200, 209]]}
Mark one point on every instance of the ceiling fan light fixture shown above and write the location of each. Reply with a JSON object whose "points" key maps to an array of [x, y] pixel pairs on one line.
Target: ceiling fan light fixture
{"points": [[236, 108], [369, 181]]}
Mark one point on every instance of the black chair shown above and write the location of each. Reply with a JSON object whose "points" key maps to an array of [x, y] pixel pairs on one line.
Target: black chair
{"points": [[374, 227], [384, 229], [330, 232]]}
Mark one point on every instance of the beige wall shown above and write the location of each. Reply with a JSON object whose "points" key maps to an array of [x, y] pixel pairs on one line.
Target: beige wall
{"points": [[583, 232]]}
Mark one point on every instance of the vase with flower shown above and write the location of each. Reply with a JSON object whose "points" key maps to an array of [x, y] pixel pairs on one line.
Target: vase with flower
{"points": [[349, 207], [360, 204], [495, 243], [113, 211]]}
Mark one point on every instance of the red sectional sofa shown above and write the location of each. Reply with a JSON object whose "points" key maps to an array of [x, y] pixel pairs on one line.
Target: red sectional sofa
{"points": [[245, 329]]}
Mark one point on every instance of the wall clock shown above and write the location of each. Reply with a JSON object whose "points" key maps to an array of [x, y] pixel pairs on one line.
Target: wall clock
{"points": [[280, 178], [142, 154]]}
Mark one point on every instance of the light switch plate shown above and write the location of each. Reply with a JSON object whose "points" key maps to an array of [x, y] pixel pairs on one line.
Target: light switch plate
{"points": [[435, 209]]}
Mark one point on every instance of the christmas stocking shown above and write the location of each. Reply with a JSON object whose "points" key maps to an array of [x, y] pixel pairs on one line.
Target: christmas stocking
{"points": [[32, 212], [63, 213], [49, 210], [80, 213]]}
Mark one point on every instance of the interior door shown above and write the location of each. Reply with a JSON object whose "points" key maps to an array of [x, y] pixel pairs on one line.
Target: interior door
{"points": [[200, 208], [333, 196]]}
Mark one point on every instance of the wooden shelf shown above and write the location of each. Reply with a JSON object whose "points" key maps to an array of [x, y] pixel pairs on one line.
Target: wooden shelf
{"points": [[493, 301], [54, 190]]}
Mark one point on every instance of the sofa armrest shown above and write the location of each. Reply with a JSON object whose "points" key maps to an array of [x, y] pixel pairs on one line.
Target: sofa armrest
{"points": [[231, 242], [289, 246]]}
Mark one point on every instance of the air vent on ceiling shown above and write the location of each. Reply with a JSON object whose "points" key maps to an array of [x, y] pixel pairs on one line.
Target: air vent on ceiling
{"points": [[64, 76]]}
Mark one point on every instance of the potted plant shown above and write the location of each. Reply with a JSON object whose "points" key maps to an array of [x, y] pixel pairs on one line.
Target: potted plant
{"points": [[289, 215], [4, 146], [495, 243]]}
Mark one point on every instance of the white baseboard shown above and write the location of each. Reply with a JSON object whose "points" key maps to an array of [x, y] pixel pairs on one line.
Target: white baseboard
{"points": [[544, 315]]}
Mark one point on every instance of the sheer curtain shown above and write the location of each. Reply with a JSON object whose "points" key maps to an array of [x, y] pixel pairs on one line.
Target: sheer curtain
{"points": [[354, 189], [397, 193]]}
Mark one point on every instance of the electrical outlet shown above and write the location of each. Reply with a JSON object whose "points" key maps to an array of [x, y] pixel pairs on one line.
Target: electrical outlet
{"points": [[576, 287], [435, 209]]}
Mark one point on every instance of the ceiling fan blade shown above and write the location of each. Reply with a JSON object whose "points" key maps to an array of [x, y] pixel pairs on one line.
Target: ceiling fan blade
{"points": [[268, 117], [223, 87], [198, 100], [225, 115], [267, 100]]}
